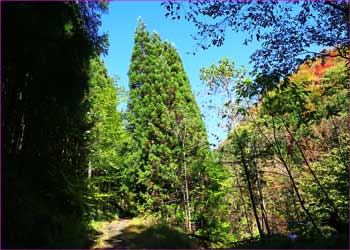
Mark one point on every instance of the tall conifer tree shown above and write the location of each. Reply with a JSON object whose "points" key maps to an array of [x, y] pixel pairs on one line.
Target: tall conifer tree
{"points": [[171, 151]]}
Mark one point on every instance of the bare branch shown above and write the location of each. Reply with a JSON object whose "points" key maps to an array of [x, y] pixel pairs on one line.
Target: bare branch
{"points": [[335, 6]]}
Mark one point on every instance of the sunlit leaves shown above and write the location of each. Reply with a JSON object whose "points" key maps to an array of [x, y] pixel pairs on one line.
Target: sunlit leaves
{"points": [[286, 30], [106, 140]]}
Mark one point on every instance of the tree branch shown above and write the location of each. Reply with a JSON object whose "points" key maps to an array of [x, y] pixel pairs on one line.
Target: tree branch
{"points": [[335, 6]]}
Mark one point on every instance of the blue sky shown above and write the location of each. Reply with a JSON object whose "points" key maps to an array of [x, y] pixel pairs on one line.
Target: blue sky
{"points": [[120, 24]]}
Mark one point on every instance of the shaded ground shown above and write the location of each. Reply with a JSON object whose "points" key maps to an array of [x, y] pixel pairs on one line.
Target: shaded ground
{"points": [[126, 233], [283, 242], [111, 230]]}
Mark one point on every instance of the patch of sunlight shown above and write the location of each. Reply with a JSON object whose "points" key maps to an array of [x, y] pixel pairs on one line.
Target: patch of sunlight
{"points": [[97, 225], [148, 233]]}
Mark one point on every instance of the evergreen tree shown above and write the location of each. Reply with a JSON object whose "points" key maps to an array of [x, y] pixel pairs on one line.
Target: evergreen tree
{"points": [[106, 142], [171, 151]]}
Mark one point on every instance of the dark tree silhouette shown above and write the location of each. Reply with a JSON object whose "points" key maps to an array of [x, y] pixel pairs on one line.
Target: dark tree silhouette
{"points": [[46, 49]]}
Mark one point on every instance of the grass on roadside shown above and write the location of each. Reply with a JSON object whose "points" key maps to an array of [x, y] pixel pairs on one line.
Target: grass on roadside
{"points": [[147, 233]]}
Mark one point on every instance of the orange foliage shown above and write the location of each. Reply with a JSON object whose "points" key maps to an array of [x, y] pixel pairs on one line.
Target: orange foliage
{"points": [[314, 71], [319, 69]]}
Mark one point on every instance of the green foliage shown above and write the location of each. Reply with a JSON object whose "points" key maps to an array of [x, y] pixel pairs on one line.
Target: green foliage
{"points": [[333, 176], [288, 150], [69, 158], [106, 140], [170, 151], [285, 30]]}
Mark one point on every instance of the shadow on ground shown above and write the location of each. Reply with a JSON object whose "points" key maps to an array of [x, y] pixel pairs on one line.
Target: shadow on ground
{"points": [[283, 242], [93, 236], [157, 236]]}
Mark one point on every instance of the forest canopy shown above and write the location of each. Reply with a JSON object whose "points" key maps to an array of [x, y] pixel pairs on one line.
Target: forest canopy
{"points": [[288, 31], [80, 172]]}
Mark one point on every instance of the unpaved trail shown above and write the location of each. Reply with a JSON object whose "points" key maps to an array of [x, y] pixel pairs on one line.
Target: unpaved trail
{"points": [[139, 233], [110, 234]]}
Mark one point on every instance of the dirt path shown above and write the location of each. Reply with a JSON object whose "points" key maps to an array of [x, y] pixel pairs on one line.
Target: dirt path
{"points": [[110, 232], [139, 233]]}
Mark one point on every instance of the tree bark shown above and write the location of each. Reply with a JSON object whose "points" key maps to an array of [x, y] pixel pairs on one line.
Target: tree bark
{"points": [[243, 204], [186, 191], [293, 182], [330, 202], [262, 204], [251, 194], [279, 155]]}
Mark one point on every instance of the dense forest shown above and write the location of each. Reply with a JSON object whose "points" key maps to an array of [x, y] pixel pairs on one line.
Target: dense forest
{"points": [[75, 167]]}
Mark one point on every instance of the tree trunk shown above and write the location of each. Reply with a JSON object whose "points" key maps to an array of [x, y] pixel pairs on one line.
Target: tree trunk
{"points": [[89, 173], [187, 198], [249, 226], [293, 183], [295, 206], [251, 194], [330, 202], [279, 155], [262, 205], [262, 202], [186, 191]]}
